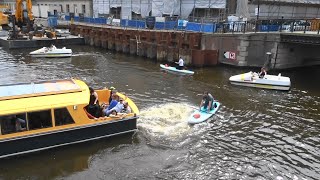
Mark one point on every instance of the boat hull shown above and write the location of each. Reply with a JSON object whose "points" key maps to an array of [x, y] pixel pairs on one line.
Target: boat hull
{"points": [[267, 82], [263, 86], [37, 142], [173, 69], [51, 55]]}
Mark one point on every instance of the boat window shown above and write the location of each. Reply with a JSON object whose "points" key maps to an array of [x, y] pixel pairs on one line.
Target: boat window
{"points": [[62, 117], [39, 119], [13, 123]]}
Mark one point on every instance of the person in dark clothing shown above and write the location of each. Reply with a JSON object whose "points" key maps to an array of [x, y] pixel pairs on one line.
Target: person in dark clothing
{"points": [[207, 101], [262, 73], [93, 108]]}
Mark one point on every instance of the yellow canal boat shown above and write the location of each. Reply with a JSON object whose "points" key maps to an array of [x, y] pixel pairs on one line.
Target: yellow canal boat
{"points": [[43, 115]]}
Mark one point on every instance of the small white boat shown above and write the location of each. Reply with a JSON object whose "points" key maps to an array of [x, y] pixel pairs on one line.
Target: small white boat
{"points": [[251, 79], [51, 52], [174, 69]]}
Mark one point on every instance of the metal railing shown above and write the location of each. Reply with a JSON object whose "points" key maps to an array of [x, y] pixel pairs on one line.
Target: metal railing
{"points": [[214, 26]]}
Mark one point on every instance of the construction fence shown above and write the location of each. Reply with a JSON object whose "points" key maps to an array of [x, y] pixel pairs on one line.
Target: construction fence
{"points": [[212, 27]]}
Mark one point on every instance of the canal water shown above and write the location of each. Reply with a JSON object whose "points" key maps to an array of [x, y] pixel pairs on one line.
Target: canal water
{"points": [[256, 134]]}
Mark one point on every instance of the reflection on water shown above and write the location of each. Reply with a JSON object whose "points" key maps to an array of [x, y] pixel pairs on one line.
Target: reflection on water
{"points": [[256, 134]]}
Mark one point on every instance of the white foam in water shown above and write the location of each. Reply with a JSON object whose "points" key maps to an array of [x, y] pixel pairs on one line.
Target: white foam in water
{"points": [[165, 120]]}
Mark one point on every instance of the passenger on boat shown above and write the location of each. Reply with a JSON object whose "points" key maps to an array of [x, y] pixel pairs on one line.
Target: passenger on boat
{"points": [[113, 102], [207, 101], [89, 115], [93, 108], [113, 113], [126, 108], [52, 47], [20, 124], [262, 73], [180, 64], [117, 108], [113, 91]]}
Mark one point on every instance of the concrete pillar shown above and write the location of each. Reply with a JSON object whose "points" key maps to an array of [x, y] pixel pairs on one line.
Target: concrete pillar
{"points": [[243, 52], [126, 48], [133, 47], [111, 45], [151, 50], [118, 46], [162, 53], [173, 54]]}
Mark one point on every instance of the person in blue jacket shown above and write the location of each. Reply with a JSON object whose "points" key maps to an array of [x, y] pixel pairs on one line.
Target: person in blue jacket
{"points": [[113, 103]]}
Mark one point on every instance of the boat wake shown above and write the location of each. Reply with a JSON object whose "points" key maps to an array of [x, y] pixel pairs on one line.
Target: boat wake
{"points": [[165, 120]]}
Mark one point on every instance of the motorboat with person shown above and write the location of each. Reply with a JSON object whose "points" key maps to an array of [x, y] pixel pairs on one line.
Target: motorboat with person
{"points": [[52, 51], [252, 79]]}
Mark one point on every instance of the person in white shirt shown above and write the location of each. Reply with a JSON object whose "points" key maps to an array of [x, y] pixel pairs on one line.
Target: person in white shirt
{"points": [[117, 108], [126, 107], [180, 64]]}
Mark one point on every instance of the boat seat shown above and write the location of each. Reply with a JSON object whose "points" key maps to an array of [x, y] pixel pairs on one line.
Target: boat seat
{"points": [[103, 95]]}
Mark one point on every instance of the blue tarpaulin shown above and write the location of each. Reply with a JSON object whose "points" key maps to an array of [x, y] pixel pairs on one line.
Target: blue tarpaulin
{"points": [[180, 24], [264, 28], [132, 23], [166, 25], [191, 26], [52, 21]]}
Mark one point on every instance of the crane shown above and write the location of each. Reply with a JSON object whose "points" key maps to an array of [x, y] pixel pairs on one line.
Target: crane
{"points": [[4, 17], [24, 19], [20, 17]]}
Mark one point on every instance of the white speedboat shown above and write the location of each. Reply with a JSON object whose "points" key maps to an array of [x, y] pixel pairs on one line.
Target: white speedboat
{"points": [[51, 52], [251, 79]]}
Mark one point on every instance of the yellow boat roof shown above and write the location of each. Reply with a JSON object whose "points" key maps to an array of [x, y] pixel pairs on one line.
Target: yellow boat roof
{"points": [[15, 98]]}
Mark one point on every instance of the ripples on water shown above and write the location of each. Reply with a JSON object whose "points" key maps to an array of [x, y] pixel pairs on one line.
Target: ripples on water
{"points": [[256, 134]]}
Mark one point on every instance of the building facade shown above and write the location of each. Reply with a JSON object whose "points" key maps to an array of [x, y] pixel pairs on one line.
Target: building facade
{"points": [[192, 10], [133, 9], [278, 9], [43, 8]]}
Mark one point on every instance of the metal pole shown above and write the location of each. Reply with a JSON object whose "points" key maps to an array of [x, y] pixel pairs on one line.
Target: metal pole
{"points": [[194, 8], [209, 8], [258, 12], [180, 9]]}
